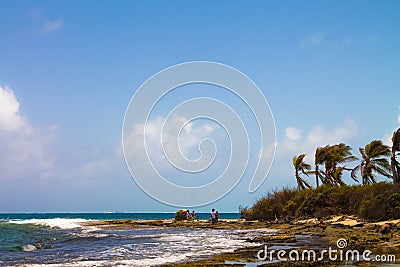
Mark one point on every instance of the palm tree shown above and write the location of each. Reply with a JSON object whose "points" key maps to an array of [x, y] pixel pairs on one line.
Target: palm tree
{"points": [[374, 160], [337, 176], [304, 168], [395, 165], [336, 155], [319, 158]]}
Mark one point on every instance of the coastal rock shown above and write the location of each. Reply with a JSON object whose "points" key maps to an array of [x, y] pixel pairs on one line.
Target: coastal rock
{"points": [[281, 238], [180, 215]]}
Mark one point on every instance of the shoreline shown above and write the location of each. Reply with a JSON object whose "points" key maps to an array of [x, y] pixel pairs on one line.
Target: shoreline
{"points": [[300, 235], [201, 224], [359, 236]]}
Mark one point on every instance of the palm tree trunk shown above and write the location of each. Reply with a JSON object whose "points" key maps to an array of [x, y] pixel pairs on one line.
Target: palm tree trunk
{"points": [[298, 180], [393, 161], [394, 167], [364, 179], [316, 175], [394, 171]]}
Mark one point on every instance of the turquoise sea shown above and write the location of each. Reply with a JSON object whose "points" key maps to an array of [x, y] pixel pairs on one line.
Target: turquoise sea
{"points": [[105, 216], [59, 239]]}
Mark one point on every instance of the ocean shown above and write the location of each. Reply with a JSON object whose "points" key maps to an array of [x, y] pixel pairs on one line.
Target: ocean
{"points": [[58, 239]]}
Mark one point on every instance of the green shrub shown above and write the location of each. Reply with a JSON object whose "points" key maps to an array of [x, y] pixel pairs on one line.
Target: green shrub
{"points": [[379, 201]]}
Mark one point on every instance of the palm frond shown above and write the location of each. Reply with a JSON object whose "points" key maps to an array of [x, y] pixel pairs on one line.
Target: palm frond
{"points": [[382, 172], [354, 172], [396, 140]]}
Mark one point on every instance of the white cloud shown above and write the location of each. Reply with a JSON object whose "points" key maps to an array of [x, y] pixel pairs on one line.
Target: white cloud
{"points": [[320, 38], [313, 39], [10, 119], [188, 140], [293, 134], [316, 137], [42, 24], [387, 138], [25, 149], [319, 136], [340, 42], [51, 26], [31, 154]]}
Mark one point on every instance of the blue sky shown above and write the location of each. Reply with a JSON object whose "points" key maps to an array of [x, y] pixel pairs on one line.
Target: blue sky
{"points": [[329, 70]]}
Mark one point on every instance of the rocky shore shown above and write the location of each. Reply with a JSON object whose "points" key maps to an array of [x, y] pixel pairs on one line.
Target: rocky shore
{"points": [[343, 233]]}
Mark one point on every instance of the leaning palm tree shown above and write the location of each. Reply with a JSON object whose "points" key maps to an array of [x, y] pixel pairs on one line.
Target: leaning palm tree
{"points": [[374, 160], [319, 158], [394, 164], [300, 166], [335, 157]]}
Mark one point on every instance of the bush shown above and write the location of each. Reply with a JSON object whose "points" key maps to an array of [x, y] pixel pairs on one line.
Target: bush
{"points": [[381, 207], [379, 201]]}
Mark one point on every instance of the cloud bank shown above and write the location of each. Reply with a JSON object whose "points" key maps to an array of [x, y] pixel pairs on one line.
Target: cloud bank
{"points": [[189, 139], [24, 149]]}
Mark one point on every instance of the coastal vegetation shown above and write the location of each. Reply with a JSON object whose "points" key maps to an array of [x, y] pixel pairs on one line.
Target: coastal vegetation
{"points": [[366, 197]]}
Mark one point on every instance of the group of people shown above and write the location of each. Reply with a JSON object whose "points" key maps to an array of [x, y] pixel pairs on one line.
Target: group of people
{"points": [[191, 216]]}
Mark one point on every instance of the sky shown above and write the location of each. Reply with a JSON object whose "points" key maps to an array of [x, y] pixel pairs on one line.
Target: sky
{"points": [[328, 69]]}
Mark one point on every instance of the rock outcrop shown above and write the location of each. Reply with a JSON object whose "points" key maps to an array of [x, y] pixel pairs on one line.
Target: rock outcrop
{"points": [[180, 215]]}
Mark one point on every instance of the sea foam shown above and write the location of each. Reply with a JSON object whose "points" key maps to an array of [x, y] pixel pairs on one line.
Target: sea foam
{"points": [[28, 248], [61, 223]]}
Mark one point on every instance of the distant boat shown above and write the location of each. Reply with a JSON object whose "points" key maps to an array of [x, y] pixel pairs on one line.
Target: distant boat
{"points": [[108, 212]]}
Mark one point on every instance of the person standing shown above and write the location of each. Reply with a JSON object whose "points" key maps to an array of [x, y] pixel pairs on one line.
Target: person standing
{"points": [[213, 217], [386, 229], [187, 215]]}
